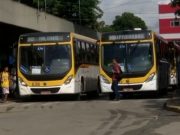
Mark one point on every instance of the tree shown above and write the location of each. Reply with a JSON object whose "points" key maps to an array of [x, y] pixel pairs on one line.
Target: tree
{"points": [[176, 3], [89, 13], [84, 13], [127, 21], [106, 28]]}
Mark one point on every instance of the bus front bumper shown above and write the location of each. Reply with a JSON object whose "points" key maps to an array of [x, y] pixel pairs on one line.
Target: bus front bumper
{"points": [[55, 90], [135, 87]]}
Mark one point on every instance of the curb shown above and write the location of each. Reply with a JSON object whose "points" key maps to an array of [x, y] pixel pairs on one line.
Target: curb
{"points": [[171, 107]]}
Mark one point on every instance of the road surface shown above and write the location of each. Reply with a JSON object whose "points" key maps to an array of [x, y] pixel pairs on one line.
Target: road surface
{"points": [[136, 116]]}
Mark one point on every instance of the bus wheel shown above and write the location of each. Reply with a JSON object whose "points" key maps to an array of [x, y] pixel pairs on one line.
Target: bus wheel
{"points": [[111, 96]]}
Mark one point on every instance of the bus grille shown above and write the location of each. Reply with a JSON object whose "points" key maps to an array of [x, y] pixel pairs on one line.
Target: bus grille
{"points": [[38, 91], [134, 87]]}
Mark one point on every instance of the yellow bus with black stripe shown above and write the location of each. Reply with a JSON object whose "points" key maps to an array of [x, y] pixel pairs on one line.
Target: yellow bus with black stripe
{"points": [[143, 58], [57, 63]]}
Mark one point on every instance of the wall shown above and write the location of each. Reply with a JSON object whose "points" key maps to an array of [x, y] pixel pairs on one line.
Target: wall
{"points": [[17, 14], [165, 26], [166, 14]]}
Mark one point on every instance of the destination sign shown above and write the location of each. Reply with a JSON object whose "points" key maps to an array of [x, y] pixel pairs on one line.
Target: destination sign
{"points": [[126, 35], [45, 38]]}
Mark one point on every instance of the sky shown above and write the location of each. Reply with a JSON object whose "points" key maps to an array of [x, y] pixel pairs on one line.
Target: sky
{"points": [[145, 9]]}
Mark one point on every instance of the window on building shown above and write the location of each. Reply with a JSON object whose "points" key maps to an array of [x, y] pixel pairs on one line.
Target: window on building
{"points": [[175, 23]]}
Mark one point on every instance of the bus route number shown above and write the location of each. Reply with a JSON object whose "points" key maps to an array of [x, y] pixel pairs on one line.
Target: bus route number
{"points": [[36, 84]]}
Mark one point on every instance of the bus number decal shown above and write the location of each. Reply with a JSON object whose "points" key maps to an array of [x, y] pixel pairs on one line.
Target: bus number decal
{"points": [[36, 84]]}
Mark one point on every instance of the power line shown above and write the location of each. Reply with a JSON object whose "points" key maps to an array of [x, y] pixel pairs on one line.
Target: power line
{"points": [[133, 3]]}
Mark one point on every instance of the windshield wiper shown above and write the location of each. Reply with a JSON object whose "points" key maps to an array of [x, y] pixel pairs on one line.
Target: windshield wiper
{"points": [[54, 50], [134, 48]]}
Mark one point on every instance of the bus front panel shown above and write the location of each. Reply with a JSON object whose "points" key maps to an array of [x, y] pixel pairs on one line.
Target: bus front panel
{"points": [[46, 69], [137, 61]]}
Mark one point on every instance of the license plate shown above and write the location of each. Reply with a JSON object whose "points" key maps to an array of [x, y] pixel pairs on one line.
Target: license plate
{"points": [[128, 89], [45, 92]]}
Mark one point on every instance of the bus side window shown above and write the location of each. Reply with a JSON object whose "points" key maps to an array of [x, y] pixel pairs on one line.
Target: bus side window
{"points": [[157, 48], [78, 52], [88, 55], [160, 49], [97, 54], [83, 52], [166, 52], [93, 53]]}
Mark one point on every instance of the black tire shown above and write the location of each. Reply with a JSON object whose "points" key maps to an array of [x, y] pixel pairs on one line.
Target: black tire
{"points": [[111, 96]]}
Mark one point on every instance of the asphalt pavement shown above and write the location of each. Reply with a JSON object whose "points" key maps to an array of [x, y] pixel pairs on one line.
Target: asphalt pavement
{"points": [[132, 116]]}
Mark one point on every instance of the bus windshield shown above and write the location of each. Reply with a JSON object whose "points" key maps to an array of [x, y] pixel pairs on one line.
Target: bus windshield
{"points": [[47, 59], [132, 57]]}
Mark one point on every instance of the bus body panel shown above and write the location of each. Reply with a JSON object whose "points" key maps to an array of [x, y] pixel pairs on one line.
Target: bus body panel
{"points": [[160, 69], [149, 86], [89, 72]]}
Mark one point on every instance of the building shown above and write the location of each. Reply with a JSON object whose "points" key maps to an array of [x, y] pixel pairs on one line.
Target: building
{"points": [[169, 26]]}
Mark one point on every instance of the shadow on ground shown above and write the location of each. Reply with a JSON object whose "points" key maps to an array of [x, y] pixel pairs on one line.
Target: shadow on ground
{"points": [[102, 97]]}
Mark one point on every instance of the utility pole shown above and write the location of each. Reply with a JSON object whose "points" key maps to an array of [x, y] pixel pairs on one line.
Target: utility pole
{"points": [[38, 6], [45, 7], [79, 12]]}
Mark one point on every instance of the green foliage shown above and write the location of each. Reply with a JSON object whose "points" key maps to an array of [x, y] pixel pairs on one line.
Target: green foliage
{"points": [[90, 12], [69, 9], [128, 22], [176, 3]]}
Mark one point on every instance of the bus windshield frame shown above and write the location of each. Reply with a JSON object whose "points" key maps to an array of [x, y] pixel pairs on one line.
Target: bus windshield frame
{"points": [[136, 57], [45, 59]]}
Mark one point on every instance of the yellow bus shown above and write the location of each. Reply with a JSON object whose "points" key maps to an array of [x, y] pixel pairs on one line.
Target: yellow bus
{"points": [[143, 58], [173, 78], [52, 63]]}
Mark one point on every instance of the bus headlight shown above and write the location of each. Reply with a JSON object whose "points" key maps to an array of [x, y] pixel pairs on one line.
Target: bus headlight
{"points": [[172, 75], [22, 82], [68, 80], [103, 79], [150, 77]]}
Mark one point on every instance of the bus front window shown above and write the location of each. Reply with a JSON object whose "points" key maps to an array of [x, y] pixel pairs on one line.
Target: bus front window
{"points": [[49, 59], [141, 59], [110, 51], [132, 57]]}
